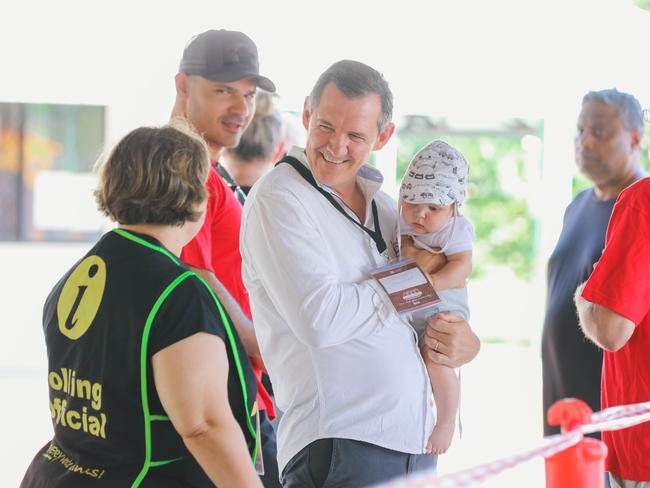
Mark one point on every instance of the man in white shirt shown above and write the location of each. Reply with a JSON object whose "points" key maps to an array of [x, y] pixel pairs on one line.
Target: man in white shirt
{"points": [[345, 366]]}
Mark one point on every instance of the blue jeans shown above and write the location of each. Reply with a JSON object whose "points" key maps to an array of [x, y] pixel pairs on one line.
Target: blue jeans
{"points": [[345, 463]]}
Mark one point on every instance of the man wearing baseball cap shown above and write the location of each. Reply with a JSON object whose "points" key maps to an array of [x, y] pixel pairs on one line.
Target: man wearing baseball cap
{"points": [[216, 84]]}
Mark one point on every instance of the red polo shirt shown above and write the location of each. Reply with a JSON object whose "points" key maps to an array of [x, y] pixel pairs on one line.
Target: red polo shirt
{"points": [[216, 248]]}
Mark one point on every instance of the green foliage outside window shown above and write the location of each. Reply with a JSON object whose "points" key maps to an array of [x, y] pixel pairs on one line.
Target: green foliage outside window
{"points": [[506, 231], [644, 4]]}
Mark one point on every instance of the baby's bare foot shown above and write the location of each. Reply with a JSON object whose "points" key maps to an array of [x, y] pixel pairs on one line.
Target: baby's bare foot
{"points": [[440, 438]]}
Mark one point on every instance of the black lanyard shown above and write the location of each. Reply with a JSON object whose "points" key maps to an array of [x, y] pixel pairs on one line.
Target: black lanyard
{"points": [[306, 174], [232, 184]]}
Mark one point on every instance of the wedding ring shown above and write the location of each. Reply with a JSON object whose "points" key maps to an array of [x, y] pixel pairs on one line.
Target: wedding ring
{"points": [[435, 347]]}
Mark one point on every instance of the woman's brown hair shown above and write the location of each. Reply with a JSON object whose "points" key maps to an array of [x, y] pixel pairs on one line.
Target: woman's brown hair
{"points": [[154, 175]]}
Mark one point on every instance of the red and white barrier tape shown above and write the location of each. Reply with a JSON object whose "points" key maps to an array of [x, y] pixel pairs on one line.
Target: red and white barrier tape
{"points": [[614, 418], [552, 445]]}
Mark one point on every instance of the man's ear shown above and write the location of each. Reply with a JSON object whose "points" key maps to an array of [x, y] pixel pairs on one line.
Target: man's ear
{"points": [[182, 82], [636, 136], [384, 137], [306, 114]]}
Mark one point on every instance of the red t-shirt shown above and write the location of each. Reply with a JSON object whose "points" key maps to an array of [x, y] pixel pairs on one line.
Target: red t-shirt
{"points": [[216, 248], [621, 282]]}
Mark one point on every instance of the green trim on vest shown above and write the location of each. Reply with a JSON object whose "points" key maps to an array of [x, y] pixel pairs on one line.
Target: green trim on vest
{"points": [[126, 234], [144, 394], [155, 464], [160, 417]]}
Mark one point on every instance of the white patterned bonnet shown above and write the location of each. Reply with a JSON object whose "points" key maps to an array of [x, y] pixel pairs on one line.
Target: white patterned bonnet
{"points": [[437, 174]]}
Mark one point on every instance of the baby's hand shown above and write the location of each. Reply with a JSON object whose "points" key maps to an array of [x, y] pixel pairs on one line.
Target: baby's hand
{"points": [[408, 247], [429, 263]]}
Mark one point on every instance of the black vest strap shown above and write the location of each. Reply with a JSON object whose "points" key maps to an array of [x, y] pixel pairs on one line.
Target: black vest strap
{"points": [[306, 174]]}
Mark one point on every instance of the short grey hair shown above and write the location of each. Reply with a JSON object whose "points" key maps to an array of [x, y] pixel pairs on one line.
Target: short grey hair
{"points": [[627, 106], [355, 80]]}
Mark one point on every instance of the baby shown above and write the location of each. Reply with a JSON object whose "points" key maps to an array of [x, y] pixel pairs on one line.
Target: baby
{"points": [[431, 194]]}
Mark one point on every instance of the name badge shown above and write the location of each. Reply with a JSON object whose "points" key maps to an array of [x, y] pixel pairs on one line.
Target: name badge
{"points": [[407, 286]]}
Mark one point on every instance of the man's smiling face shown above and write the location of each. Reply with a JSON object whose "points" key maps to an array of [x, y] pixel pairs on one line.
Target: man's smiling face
{"points": [[341, 134]]}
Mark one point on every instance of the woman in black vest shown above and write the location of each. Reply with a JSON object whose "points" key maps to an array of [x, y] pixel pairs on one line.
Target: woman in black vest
{"points": [[145, 380]]}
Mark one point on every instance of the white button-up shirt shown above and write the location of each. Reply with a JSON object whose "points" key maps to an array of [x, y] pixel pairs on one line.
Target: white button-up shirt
{"points": [[342, 362]]}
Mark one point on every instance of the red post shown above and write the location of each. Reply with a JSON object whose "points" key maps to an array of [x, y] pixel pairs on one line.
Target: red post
{"points": [[580, 466]]}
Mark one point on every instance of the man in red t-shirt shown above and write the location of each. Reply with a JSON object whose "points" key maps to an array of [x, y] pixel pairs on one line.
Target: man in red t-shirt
{"points": [[613, 308], [215, 91]]}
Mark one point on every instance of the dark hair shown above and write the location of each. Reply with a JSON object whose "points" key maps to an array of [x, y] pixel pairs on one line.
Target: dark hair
{"points": [[263, 135], [627, 106], [355, 80], [154, 176]]}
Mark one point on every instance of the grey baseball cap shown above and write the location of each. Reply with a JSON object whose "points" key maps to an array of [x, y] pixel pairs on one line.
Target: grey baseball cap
{"points": [[224, 56]]}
